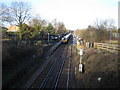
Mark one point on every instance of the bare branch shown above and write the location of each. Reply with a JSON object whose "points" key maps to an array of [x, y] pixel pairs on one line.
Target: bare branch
{"points": [[20, 11]]}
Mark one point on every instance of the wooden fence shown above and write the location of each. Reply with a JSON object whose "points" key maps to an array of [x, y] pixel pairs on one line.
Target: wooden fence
{"points": [[104, 46], [108, 47]]}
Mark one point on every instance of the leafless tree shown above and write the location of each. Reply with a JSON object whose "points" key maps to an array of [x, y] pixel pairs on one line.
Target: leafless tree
{"points": [[61, 28], [104, 24], [54, 22], [37, 21], [20, 12], [4, 14], [109, 23]]}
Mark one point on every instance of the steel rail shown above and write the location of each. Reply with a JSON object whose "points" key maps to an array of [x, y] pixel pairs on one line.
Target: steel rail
{"points": [[69, 68], [36, 75], [31, 82], [56, 81], [49, 74], [57, 78]]}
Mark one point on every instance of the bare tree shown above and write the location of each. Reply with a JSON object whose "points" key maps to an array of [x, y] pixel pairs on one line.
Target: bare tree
{"points": [[37, 21], [4, 14], [54, 22], [109, 23], [20, 12], [104, 24], [61, 28], [104, 28]]}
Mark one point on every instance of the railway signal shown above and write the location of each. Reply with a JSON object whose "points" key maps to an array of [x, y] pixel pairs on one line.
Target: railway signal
{"points": [[81, 52], [81, 65], [80, 68]]}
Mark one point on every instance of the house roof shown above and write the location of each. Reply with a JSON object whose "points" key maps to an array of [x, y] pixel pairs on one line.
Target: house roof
{"points": [[4, 28], [13, 28]]}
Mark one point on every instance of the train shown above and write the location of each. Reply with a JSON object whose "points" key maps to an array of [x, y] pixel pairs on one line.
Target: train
{"points": [[66, 38]]}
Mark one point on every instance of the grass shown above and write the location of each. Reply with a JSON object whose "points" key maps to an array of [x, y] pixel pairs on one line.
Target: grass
{"points": [[97, 64], [17, 60]]}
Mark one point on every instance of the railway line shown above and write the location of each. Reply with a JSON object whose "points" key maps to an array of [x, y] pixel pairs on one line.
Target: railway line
{"points": [[51, 72], [69, 67], [64, 81], [47, 64], [54, 75]]}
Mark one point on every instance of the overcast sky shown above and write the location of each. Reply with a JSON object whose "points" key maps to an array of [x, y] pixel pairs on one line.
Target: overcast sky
{"points": [[76, 14]]}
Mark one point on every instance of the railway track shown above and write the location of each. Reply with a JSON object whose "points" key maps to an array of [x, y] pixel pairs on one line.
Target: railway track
{"points": [[69, 67], [65, 79], [42, 68], [49, 75], [54, 75]]}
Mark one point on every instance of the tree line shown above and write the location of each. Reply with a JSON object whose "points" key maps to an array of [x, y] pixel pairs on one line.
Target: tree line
{"points": [[100, 31], [20, 12]]}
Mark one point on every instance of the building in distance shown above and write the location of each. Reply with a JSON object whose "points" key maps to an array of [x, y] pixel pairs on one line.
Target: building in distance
{"points": [[13, 28]]}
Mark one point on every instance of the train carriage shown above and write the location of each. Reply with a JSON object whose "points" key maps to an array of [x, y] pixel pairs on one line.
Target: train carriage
{"points": [[66, 38]]}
